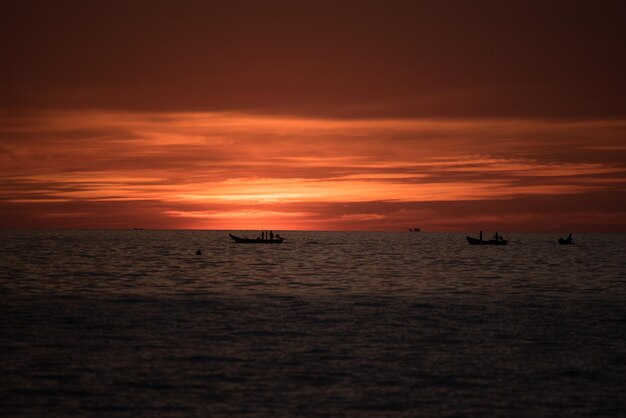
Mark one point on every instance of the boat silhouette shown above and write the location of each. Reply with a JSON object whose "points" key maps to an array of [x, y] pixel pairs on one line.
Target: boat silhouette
{"points": [[477, 241], [244, 240], [566, 241]]}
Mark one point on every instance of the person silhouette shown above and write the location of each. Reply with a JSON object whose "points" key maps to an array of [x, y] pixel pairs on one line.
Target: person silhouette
{"points": [[481, 235], [271, 235]]}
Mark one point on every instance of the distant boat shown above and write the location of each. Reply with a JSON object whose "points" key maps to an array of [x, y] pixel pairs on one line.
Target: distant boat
{"points": [[256, 240], [138, 229], [476, 241], [566, 241], [414, 229]]}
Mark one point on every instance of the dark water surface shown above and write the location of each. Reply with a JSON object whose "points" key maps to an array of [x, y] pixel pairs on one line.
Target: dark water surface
{"points": [[133, 323]]}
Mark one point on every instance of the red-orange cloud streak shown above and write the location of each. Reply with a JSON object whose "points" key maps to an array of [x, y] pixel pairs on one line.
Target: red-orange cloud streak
{"points": [[234, 170]]}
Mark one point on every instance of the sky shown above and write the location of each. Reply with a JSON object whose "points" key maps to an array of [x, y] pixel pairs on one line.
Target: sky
{"points": [[314, 115]]}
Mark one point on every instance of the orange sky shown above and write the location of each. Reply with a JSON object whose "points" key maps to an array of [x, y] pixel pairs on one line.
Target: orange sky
{"points": [[238, 171], [296, 115]]}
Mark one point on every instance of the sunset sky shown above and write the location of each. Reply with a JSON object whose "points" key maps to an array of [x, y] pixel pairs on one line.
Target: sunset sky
{"points": [[326, 115]]}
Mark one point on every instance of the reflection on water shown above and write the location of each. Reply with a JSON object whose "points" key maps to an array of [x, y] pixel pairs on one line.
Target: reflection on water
{"points": [[308, 263], [327, 323]]}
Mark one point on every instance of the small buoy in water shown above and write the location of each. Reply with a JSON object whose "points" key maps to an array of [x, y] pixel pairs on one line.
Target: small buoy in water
{"points": [[198, 252]]}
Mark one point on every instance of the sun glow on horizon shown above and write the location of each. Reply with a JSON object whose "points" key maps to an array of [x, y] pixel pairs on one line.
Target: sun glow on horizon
{"points": [[220, 170]]}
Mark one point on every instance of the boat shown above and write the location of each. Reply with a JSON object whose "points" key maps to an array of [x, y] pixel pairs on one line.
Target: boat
{"points": [[244, 240], [414, 229], [566, 241], [476, 241]]}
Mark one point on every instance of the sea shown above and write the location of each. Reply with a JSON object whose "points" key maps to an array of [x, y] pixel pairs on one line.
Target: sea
{"points": [[132, 323]]}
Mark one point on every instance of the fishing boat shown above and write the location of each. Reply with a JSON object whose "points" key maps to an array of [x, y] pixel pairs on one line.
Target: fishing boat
{"points": [[476, 241], [566, 241], [244, 240]]}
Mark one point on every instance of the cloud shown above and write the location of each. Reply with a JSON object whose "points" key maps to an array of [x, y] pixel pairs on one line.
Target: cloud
{"points": [[215, 169]]}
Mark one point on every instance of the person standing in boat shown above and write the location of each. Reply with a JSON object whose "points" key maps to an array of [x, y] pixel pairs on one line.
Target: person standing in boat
{"points": [[481, 235], [271, 235]]}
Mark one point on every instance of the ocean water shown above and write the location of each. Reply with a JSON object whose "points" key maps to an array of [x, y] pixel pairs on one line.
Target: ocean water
{"points": [[133, 323]]}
